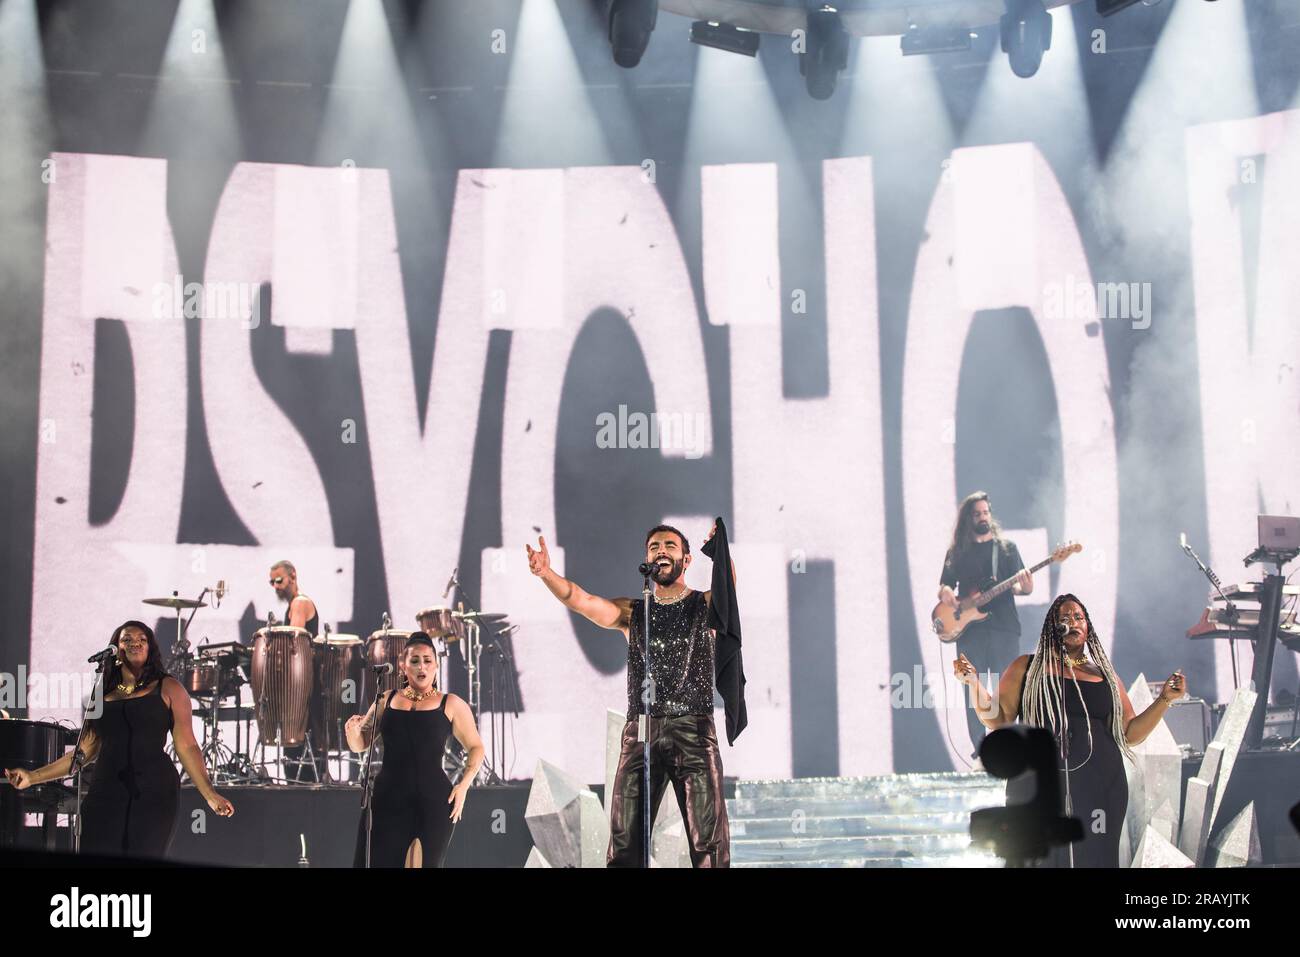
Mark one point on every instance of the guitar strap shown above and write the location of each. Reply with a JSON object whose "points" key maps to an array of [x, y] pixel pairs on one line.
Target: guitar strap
{"points": [[996, 548]]}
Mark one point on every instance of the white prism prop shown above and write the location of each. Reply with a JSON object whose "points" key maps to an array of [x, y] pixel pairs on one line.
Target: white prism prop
{"points": [[1154, 850], [566, 820], [1237, 845]]}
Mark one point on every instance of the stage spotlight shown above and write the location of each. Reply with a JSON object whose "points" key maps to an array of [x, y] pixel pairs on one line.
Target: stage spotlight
{"points": [[723, 36], [630, 24], [826, 52], [1026, 35], [920, 40], [1107, 7]]}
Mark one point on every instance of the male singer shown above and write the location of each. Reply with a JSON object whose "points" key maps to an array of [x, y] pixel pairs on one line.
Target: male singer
{"points": [[684, 745]]}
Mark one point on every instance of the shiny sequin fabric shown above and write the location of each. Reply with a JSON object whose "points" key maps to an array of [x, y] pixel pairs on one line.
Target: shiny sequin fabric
{"points": [[681, 658]]}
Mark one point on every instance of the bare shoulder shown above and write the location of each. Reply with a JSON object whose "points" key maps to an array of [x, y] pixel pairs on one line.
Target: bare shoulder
{"points": [[1019, 666], [172, 690]]}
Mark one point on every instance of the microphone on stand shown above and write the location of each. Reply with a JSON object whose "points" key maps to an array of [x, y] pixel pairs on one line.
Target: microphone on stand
{"points": [[451, 582], [221, 591], [386, 622], [385, 669], [109, 652]]}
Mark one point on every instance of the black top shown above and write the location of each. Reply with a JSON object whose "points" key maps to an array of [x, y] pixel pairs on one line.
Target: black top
{"points": [[972, 570], [130, 807], [414, 741], [132, 736], [1097, 783], [313, 623], [681, 657]]}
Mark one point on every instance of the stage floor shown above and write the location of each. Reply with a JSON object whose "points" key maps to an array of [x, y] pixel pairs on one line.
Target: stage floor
{"points": [[269, 819]]}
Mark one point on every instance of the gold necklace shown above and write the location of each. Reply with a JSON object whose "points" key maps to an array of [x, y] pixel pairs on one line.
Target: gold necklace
{"points": [[124, 689], [1076, 662], [673, 601], [413, 696]]}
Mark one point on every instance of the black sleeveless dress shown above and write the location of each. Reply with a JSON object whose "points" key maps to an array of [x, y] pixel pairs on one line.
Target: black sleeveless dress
{"points": [[411, 791], [1097, 782], [130, 807]]}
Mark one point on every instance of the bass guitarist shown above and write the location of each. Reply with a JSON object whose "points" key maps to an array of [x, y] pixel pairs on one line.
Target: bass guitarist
{"points": [[977, 558]]}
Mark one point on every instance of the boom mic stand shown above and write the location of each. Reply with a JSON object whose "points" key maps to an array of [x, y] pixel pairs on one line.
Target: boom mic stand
{"points": [[96, 694], [647, 699], [1229, 609], [473, 653], [368, 779]]}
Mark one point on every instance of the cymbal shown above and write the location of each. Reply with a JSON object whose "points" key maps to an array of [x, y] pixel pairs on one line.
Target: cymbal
{"points": [[175, 602], [483, 617]]}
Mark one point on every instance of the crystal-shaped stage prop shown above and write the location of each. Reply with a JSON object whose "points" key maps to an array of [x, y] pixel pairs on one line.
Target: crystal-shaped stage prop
{"points": [[1231, 734], [1155, 850], [566, 820], [1154, 782], [1237, 844]]}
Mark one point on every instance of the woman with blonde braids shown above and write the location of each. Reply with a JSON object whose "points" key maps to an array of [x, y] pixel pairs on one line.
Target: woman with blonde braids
{"points": [[1084, 704]]}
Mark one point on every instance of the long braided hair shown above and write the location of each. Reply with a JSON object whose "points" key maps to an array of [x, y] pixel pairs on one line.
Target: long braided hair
{"points": [[1044, 693]]}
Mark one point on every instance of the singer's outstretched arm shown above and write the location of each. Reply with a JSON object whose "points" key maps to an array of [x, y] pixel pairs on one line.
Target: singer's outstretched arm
{"points": [[58, 769], [614, 614]]}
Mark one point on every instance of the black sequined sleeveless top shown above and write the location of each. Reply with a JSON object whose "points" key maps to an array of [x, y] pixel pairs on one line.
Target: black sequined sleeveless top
{"points": [[681, 658]]}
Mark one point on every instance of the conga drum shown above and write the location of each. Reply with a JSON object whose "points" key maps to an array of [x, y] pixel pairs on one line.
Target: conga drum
{"points": [[282, 682], [384, 647], [440, 622], [338, 688]]}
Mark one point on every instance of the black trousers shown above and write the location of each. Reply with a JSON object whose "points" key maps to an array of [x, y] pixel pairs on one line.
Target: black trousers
{"points": [[683, 751], [989, 651]]}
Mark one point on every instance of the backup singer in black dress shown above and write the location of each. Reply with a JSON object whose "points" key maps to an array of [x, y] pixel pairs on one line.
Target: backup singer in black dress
{"points": [[412, 792], [1084, 704], [130, 806]]}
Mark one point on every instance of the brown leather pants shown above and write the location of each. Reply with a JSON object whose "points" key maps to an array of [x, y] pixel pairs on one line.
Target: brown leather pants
{"points": [[683, 750]]}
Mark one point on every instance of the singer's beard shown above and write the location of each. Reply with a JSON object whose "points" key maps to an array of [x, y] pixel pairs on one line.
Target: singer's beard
{"points": [[666, 576]]}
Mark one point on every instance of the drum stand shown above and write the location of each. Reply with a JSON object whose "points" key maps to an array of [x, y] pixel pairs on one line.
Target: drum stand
{"points": [[217, 758], [305, 757], [455, 758], [344, 758]]}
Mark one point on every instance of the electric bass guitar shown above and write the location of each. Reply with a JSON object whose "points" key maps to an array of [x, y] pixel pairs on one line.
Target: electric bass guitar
{"points": [[948, 623]]}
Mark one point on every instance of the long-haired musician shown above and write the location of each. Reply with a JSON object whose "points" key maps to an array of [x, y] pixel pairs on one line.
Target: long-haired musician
{"points": [[978, 556]]}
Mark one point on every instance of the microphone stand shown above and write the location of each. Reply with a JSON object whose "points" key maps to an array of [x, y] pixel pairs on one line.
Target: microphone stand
{"points": [[1229, 609], [77, 755], [182, 632], [368, 781], [474, 686], [647, 698]]}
